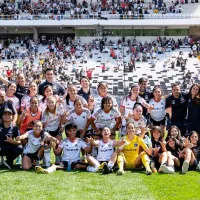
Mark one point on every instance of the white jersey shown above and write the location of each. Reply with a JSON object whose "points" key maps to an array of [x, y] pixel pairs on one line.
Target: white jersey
{"points": [[14, 100], [52, 120], [103, 119], [158, 113], [43, 104], [105, 150], [138, 124], [79, 120], [34, 143], [98, 99], [70, 104], [128, 105], [25, 102], [71, 150]]}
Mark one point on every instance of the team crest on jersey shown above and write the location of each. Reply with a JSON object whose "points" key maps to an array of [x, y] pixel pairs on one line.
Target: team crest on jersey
{"points": [[76, 145], [111, 115], [182, 99], [135, 144], [83, 117], [139, 124], [173, 101], [162, 103]]}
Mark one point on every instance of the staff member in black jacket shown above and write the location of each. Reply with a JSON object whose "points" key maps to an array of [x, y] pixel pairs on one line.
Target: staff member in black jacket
{"points": [[8, 145]]}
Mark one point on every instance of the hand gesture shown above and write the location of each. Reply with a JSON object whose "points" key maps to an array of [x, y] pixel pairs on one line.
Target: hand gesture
{"points": [[9, 139], [24, 114], [82, 133]]}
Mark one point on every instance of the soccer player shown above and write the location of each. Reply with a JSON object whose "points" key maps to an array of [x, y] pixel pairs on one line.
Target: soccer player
{"points": [[158, 114], [106, 116], [70, 149], [106, 155], [129, 157], [68, 100], [34, 150], [79, 116]]}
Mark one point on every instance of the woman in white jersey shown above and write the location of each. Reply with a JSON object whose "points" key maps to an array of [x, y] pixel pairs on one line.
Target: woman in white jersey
{"points": [[11, 89], [79, 116], [106, 156], [70, 97], [106, 116], [70, 149], [25, 102], [34, 149], [158, 114], [102, 92], [53, 118], [128, 102], [139, 121]]}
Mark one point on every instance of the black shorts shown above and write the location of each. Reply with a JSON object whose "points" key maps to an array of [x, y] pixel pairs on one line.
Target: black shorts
{"points": [[54, 133], [158, 123], [33, 156], [73, 164]]}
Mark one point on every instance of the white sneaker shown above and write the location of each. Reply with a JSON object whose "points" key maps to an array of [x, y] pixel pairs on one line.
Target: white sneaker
{"points": [[167, 169], [198, 166], [92, 169], [185, 167]]}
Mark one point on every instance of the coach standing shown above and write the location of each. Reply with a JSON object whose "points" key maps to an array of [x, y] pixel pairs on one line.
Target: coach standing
{"points": [[177, 101], [58, 89], [144, 93]]}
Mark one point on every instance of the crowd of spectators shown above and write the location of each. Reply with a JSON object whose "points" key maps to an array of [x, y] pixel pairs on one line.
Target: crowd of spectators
{"points": [[74, 9]]}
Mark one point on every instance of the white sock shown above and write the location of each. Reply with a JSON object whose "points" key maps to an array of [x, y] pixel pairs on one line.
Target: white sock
{"points": [[110, 164], [47, 162], [51, 169]]}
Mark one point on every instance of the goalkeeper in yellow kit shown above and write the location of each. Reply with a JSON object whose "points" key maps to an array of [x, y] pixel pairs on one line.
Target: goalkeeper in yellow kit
{"points": [[129, 154]]}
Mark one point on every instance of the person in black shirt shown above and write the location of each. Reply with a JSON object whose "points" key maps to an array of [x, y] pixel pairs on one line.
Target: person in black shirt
{"points": [[193, 109], [58, 89], [144, 93], [86, 92], [7, 104], [22, 89], [177, 101], [8, 131]]}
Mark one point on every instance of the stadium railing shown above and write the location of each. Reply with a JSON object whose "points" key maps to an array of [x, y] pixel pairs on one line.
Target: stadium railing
{"points": [[98, 16]]}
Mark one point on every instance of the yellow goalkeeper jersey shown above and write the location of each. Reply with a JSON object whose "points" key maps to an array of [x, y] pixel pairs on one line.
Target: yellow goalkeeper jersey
{"points": [[131, 150]]}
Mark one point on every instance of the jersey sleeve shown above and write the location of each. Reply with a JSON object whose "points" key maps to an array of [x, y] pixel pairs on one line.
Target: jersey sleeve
{"points": [[142, 144], [117, 113], [95, 114], [123, 102], [83, 144], [61, 145]]}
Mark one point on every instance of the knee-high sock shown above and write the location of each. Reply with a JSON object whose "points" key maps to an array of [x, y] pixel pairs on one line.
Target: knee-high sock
{"points": [[145, 160], [120, 162]]}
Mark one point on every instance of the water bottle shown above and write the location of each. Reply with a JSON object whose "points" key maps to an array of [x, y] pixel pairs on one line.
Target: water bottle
{"points": [[69, 166]]}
